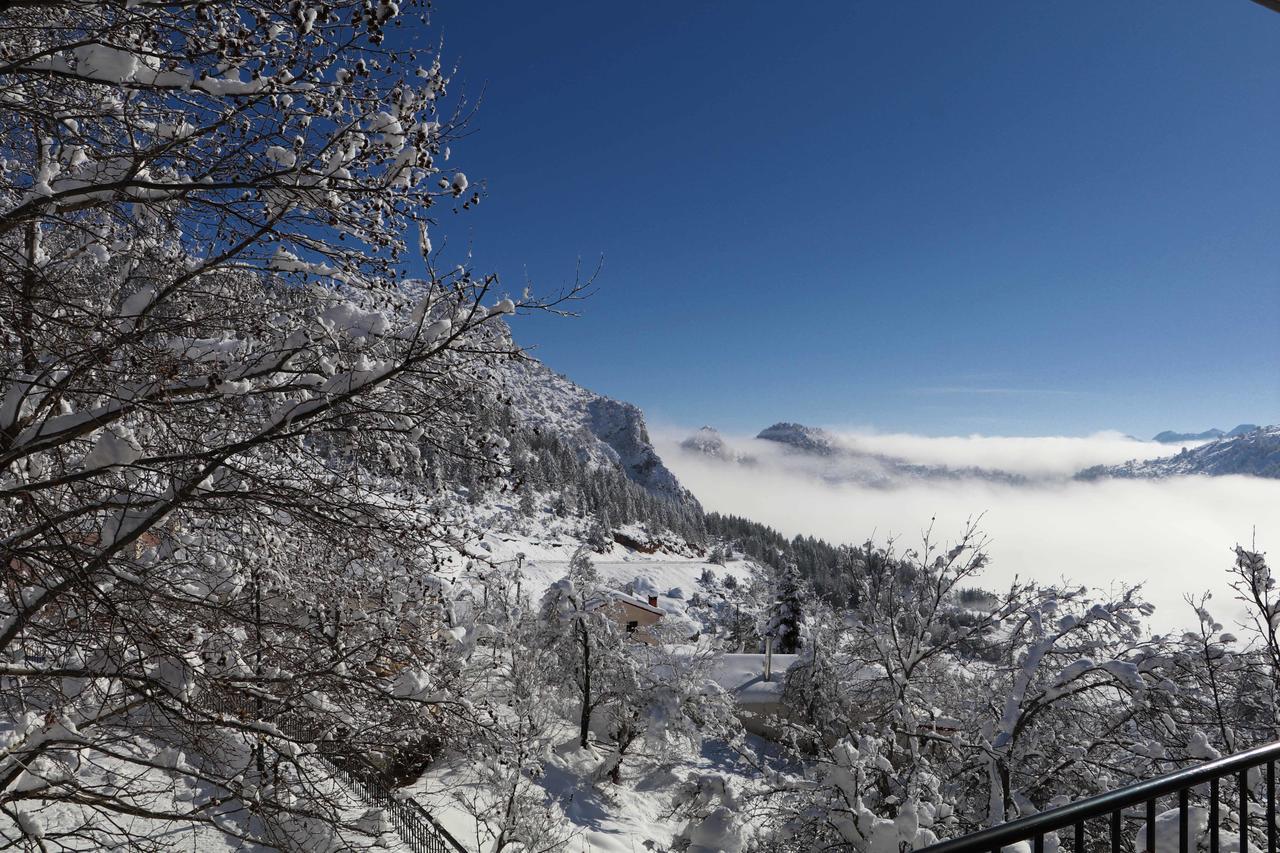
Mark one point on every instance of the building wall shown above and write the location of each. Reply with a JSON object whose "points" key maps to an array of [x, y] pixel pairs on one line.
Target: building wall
{"points": [[624, 612]]}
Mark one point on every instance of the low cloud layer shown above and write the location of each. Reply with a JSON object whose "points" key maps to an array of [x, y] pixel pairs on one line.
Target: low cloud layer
{"points": [[1172, 535], [1038, 456]]}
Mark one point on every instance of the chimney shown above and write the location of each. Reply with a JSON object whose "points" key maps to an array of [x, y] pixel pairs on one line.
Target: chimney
{"points": [[768, 658], [653, 601]]}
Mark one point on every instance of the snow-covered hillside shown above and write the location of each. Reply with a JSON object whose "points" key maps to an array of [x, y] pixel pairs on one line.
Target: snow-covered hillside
{"points": [[1255, 453], [672, 571], [596, 818], [607, 431]]}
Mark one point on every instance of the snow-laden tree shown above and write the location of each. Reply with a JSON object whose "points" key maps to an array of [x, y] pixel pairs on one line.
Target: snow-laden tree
{"points": [[932, 708], [510, 676], [1255, 588], [213, 366], [786, 622], [588, 643], [710, 807], [649, 695], [662, 705]]}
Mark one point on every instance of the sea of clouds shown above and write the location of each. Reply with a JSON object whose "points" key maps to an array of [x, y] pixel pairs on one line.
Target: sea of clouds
{"points": [[1175, 536]]}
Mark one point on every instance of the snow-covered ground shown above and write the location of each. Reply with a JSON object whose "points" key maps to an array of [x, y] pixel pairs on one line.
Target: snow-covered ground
{"points": [[743, 676], [600, 821], [671, 576], [602, 818]]}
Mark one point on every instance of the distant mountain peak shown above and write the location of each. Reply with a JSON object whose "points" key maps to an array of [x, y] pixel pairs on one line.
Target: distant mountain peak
{"points": [[1172, 437], [846, 462], [708, 442], [801, 437]]}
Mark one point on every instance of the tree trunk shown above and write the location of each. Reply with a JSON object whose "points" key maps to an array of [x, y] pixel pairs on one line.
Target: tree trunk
{"points": [[584, 727]]}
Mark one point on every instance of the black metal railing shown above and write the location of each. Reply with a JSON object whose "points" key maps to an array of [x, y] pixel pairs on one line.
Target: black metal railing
{"points": [[1083, 815], [413, 823]]}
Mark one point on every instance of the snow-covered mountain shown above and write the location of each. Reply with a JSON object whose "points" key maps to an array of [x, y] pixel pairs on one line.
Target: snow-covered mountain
{"points": [[709, 442], [803, 438], [604, 430], [1171, 437], [1253, 453]]}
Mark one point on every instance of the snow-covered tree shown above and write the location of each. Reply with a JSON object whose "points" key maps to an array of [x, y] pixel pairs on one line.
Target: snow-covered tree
{"points": [[215, 378], [1075, 698], [787, 618], [588, 642], [662, 705], [1255, 588], [711, 809], [505, 758]]}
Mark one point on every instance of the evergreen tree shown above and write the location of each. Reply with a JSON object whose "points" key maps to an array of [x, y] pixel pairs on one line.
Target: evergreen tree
{"points": [[787, 618], [602, 534]]}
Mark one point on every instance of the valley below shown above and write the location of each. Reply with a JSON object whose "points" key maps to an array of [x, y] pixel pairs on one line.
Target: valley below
{"points": [[1172, 534]]}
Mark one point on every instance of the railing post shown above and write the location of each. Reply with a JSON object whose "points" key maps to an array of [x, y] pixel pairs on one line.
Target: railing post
{"points": [[1271, 807], [1213, 816], [1244, 811], [1182, 820]]}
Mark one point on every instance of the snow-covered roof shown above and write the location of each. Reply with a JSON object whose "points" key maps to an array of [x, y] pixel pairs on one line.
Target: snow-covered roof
{"points": [[743, 676], [617, 595]]}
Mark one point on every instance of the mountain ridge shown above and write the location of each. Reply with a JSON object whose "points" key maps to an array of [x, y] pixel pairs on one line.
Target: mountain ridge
{"points": [[800, 437], [1254, 453], [1171, 437], [1246, 450]]}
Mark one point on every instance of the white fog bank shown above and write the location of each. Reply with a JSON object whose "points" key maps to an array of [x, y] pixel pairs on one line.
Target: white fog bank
{"points": [[1175, 536], [1032, 456]]}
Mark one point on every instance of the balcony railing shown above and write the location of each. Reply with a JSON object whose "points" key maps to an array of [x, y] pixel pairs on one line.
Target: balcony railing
{"points": [[1078, 823]]}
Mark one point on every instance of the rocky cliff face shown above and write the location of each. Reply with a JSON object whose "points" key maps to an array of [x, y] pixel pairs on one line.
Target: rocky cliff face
{"points": [[620, 427], [604, 431]]}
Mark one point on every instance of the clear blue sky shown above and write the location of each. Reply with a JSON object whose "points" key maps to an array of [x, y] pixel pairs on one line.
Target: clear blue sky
{"points": [[939, 217]]}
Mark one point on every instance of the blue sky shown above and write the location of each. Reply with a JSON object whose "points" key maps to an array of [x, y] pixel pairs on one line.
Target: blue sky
{"points": [[997, 217]]}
